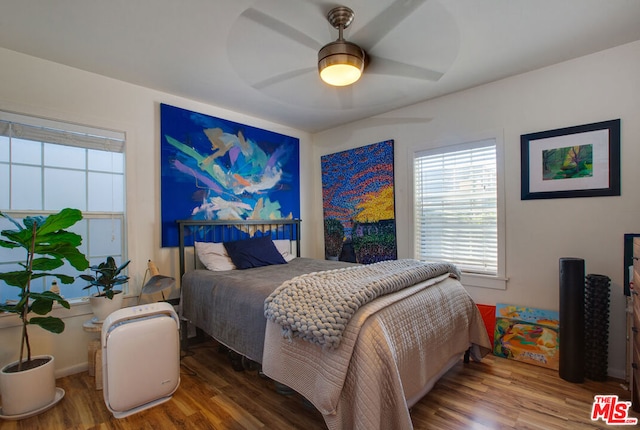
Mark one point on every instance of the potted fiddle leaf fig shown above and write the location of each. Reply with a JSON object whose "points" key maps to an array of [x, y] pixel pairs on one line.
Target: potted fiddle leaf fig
{"points": [[108, 275], [28, 386]]}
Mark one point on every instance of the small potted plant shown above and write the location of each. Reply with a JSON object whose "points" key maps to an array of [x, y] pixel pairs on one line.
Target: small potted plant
{"points": [[28, 386], [107, 299]]}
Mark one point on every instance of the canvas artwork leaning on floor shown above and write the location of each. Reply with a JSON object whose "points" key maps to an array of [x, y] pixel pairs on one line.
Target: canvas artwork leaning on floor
{"points": [[527, 334]]}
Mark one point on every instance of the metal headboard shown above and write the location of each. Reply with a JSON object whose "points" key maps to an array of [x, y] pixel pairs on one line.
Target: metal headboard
{"points": [[226, 231]]}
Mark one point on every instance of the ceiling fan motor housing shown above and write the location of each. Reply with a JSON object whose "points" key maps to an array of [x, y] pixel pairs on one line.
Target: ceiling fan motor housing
{"points": [[341, 52]]}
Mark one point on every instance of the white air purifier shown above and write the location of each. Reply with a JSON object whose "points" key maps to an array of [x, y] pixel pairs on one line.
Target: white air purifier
{"points": [[140, 357]]}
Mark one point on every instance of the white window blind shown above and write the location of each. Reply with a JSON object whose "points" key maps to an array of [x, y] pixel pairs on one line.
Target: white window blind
{"points": [[43, 130], [456, 212]]}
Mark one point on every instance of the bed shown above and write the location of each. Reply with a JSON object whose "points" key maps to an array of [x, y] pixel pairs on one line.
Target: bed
{"points": [[368, 358]]}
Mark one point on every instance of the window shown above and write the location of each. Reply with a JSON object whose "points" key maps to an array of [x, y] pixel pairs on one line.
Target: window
{"points": [[46, 166], [457, 209]]}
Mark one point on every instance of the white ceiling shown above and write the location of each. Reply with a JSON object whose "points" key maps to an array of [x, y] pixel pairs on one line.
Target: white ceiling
{"points": [[260, 57]]}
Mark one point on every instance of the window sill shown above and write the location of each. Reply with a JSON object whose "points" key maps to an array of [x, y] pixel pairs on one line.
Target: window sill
{"points": [[483, 281], [79, 307]]}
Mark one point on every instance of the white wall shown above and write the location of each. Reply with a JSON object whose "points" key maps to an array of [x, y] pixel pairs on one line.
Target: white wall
{"points": [[594, 88], [41, 88]]}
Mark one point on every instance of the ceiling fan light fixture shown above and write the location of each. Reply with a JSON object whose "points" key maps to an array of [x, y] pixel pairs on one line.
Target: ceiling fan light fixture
{"points": [[340, 63]]}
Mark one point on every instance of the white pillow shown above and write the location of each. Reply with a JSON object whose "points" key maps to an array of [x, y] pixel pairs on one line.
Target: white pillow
{"points": [[214, 256], [284, 247]]}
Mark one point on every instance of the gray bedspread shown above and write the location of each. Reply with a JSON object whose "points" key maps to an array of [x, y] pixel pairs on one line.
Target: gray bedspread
{"points": [[229, 305], [318, 306]]}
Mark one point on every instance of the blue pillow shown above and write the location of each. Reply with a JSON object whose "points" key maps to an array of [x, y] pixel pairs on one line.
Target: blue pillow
{"points": [[254, 252]]}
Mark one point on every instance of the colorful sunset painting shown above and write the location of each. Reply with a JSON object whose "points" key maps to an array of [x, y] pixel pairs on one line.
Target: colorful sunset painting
{"points": [[212, 169], [358, 204], [527, 334]]}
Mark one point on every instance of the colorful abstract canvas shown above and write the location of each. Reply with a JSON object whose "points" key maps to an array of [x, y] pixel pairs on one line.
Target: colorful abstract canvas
{"points": [[527, 334], [358, 204], [212, 169]]}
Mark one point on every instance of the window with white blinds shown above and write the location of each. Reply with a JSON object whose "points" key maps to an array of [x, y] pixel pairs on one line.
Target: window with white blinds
{"points": [[456, 206], [48, 165]]}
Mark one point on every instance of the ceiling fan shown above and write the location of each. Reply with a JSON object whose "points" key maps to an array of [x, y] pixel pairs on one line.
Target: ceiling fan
{"points": [[356, 58], [341, 63]]}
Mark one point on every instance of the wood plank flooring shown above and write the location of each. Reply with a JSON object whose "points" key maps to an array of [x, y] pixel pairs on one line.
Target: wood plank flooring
{"points": [[494, 394]]}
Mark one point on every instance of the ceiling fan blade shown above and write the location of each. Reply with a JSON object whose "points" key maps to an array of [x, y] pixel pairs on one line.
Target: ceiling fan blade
{"points": [[282, 77], [345, 95], [376, 29], [383, 121], [384, 66], [376, 121], [281, 27]]}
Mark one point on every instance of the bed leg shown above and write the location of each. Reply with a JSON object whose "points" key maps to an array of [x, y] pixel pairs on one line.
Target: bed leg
{"points": [[184, 334], [283, 389], [467, 353], [236, 361]]}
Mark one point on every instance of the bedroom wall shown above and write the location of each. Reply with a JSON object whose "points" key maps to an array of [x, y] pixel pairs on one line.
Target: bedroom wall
{"points": [[594, 88], [41, 88]]}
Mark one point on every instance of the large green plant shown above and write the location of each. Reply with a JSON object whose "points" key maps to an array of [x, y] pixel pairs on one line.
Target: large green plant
{"points": [[107, 276], [47, 245]]}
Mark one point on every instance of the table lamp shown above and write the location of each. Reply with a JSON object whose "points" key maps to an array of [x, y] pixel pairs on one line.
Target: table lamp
{"points": [[157, 282]]}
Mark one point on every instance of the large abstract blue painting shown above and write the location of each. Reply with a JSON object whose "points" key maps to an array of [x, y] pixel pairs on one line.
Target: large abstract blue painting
{"points": [[212, 169]]}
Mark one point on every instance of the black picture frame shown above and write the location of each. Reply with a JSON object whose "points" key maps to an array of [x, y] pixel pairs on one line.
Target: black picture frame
{"points": [[628, 260], [600, 142]]}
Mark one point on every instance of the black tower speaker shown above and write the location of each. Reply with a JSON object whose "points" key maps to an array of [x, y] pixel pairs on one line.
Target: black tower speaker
{"points": [[572, 319]]}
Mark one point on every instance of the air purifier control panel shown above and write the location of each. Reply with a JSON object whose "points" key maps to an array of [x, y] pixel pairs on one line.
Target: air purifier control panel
{"points": [[146, 310], [150, 308]]}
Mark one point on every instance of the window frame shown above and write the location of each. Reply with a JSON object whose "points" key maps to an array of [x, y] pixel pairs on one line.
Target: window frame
{"points": [[499, 280], [89, 138]]}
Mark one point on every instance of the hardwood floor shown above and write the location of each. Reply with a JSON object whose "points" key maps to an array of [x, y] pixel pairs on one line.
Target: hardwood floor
{"points": [[494, 394]]}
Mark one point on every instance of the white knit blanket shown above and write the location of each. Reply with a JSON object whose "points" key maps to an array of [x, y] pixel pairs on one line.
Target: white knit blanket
{"points": [[317, 306]]}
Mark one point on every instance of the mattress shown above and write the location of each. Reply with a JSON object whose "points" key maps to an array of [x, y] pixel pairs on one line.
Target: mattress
{"points": [[229, 305]]}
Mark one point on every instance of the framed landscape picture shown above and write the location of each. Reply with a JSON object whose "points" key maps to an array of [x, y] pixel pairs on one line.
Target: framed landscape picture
{"points": [[580, 161]]}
